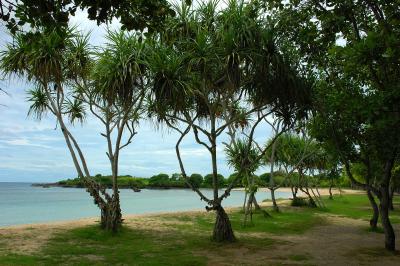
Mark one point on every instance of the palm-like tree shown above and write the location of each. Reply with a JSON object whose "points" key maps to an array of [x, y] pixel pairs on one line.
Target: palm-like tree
{"points": [[245, 160], [208, 75], [42, 57], [68, 81], [115, 91], [198, 71]]}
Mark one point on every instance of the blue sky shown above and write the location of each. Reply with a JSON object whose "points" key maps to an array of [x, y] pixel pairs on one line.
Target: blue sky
{"points": [[35, 151]]}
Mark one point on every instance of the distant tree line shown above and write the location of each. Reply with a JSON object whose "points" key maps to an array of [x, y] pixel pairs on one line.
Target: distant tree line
{"points": [[163, 180]]}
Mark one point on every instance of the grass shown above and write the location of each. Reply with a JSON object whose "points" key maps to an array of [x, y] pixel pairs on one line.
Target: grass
{"points": [[357, 207], [188, 241]]}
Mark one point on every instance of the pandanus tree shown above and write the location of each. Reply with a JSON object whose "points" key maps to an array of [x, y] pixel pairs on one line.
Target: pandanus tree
{"points": [[42, 58], [56, 60], [209, 70], [197, 75], [236, 154], [114, 91]]}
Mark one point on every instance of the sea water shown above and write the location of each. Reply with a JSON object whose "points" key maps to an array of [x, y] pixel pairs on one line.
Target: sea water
{"points": [[20, 203]]}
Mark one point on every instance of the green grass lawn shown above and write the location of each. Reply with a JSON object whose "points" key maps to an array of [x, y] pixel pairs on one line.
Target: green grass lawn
{"points": [[187, 241], [358, 207]]}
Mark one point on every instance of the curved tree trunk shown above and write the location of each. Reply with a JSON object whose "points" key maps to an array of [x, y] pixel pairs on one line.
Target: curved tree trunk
{"points": [[375, 216], [274, 204], [294, 191], [390, 238], [310, 198], [245, 200], [255, 203], [222, 228], [330, 189], [258, 207]]}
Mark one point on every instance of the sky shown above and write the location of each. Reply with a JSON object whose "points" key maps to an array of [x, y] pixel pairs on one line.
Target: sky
{"points": [[35, 151]]}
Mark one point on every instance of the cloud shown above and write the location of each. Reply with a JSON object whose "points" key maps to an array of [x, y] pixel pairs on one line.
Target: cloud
{"points": [[34, 150], [24, 142]]}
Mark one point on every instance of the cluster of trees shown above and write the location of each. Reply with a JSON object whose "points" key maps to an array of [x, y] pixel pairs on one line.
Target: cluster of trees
{"points": [[323, 75], [351, 49]]}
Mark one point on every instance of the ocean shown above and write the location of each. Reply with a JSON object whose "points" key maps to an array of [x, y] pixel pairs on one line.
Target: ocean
{"points": [[20, 203]]}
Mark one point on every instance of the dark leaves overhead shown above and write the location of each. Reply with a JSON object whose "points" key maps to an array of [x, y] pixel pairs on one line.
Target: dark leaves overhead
{"points": [[133, 14]]}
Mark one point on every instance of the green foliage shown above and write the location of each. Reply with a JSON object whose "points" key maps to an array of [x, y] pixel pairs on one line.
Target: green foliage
{"points": [[160, 180], [138, 15], [356, 92], [208, 180], [118, 70], [241, 157], [264, 178], [123, 181], [196, 180], [301, 202], [234, 178], [39, 103], [163, 181]]}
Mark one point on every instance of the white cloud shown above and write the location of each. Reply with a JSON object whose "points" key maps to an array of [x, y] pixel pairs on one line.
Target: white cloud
{"points": [[24, 142]]}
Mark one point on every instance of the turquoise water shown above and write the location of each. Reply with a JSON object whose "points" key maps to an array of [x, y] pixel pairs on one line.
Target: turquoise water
{"points": [[20, 203]]}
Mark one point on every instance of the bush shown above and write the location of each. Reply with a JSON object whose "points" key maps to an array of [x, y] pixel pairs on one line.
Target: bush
{"points": [[264, 179], [238, 182], [208, 180], [256, 180], [176, 177], [196, 180], [302, 202], [160, 180]]}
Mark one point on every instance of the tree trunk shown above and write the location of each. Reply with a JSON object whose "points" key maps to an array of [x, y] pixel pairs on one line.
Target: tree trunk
{"points": [[294, 192], [223, 229], [111, 217], [391, 194], [249, 209], [310, 198], [245, 200], [390, 238], [374, 220], [271, 178], [330, 189], [274, 204], [255, 203], [258, 207]]}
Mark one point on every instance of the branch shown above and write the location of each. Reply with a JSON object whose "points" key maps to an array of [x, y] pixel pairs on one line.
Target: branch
{"points": [[132, 134], [178, 154], [196, 135]]}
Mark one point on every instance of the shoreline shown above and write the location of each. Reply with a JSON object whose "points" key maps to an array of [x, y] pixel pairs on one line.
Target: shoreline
{"points": [[91, 220]]}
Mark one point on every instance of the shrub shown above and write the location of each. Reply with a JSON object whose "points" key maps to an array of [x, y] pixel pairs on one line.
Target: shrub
{"points": [[208, 180], [160, 180], [302, 202], [196, 180], [256, 180], [176, 177], [134, 182], [238, 182], [264, 179]]}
